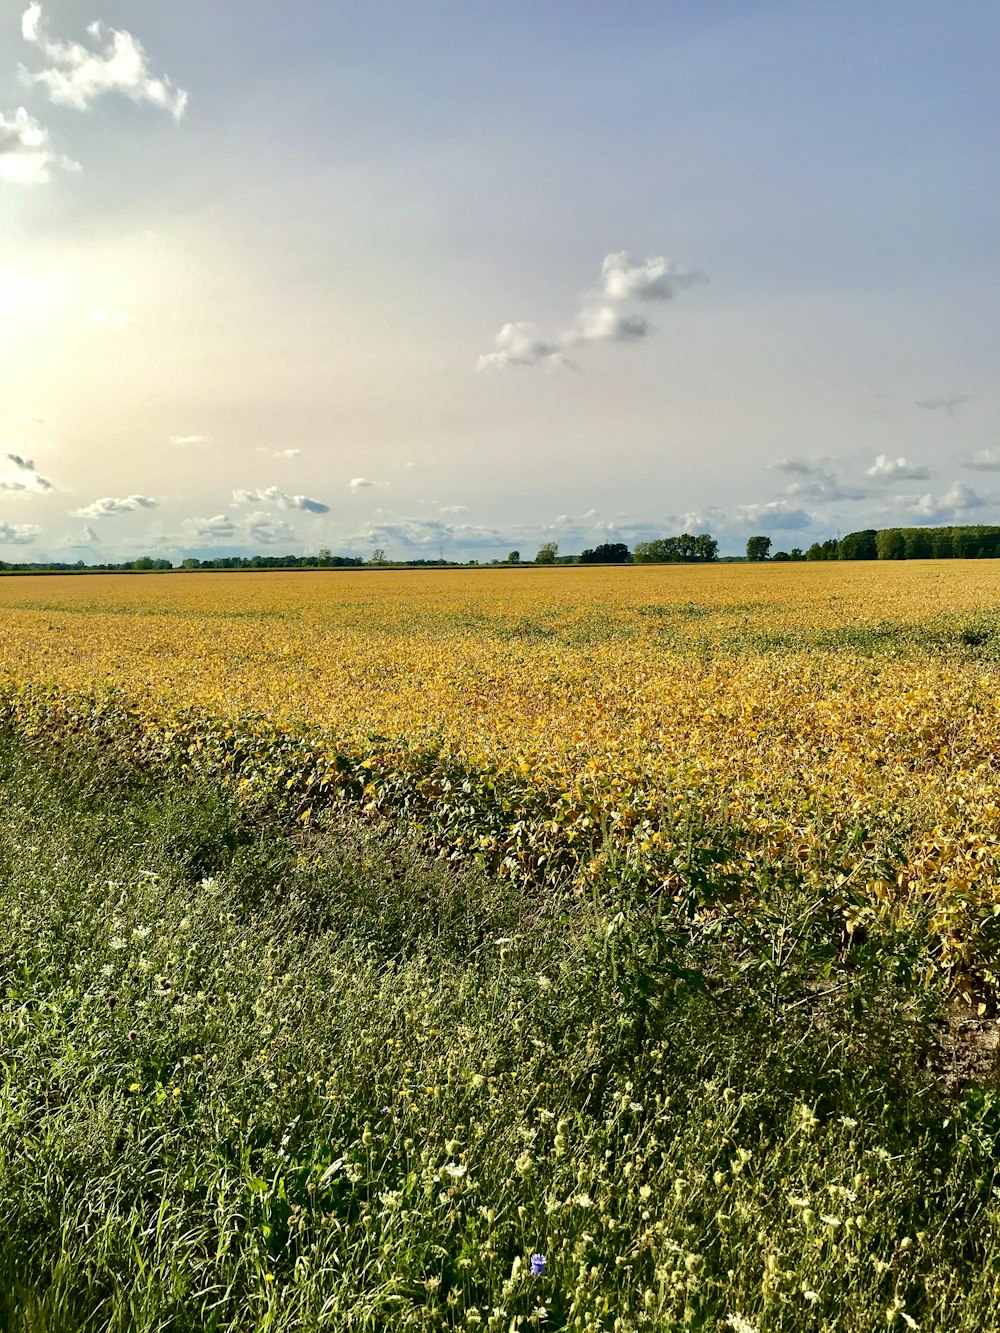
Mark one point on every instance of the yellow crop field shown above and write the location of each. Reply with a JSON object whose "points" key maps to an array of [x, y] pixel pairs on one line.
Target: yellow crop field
{"points": [[835, 722]]}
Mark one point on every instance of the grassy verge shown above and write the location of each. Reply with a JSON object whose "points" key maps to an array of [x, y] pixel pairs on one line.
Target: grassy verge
{"points": [[260, 1080]]}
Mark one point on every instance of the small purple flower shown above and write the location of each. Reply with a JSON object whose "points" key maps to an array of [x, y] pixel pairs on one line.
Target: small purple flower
{"points": [[537, 1265]]}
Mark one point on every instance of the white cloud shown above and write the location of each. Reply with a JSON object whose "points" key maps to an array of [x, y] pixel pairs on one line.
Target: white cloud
{"points": [[265, 530], [815, 481], [600, 317], [18, 534], [220, 527], [287, 453], [654, 279], [186, 441], [272, 495], [108, 506], [255, 529], [944, 508], [700, 520], [897, 469], [604, 323], [987, 460], [519, 345], [775, 514], [823, 487], [80, 541], [79, 75], [359, 484], [24, 477], [454, 509], [427, 534], [26, 156]]}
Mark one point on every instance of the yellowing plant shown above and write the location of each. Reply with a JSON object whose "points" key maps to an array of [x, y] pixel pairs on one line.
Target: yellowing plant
{"points": [[836, 720]]}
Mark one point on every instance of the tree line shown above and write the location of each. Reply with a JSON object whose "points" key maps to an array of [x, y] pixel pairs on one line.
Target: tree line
{"points": [[958, 542], [962, 542], [683, 550]]}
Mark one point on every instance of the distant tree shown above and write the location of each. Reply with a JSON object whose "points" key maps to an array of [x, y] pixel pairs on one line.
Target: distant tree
{"points": [[796, 553], [706, 547], [378, 556], [891, 544], [514, 558], [859, 545], [608, 553], [758, 548], [547, 553], [674, 550], [965, 544], [781, 556]]}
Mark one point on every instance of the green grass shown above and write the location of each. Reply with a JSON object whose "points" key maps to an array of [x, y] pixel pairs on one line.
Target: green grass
{"points": [[257, 1079]]}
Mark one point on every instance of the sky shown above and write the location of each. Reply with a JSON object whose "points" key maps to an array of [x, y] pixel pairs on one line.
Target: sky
{"points": [[467, 277]]}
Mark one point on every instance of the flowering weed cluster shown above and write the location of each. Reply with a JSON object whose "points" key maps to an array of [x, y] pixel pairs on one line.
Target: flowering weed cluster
{"points": [[308, 1080]]}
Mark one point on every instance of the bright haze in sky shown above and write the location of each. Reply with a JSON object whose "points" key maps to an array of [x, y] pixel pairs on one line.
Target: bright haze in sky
{"points": [[477, 276]]}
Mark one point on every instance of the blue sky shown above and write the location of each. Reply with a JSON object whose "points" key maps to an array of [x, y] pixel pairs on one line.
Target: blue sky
{"points": [[482, 275]]}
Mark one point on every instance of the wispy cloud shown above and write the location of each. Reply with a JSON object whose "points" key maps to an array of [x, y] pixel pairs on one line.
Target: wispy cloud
{"points": [[287, 453], [187, 441], [220, 527], [110, 320], [79, 75], [359, 484], [26, 154], [814, 481], [896, 469], [949, 405], [109, 507], [81, 541], [265, 530], [272, 495], [987, 460], [797, 466], [824, 488], [602, 316], [427, 533]]}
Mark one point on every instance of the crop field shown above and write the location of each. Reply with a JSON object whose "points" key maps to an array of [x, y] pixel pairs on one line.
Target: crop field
{"points": [[501, 949], [818, 719]]}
